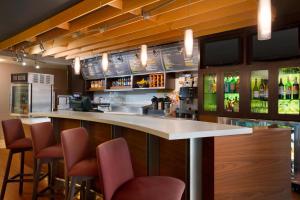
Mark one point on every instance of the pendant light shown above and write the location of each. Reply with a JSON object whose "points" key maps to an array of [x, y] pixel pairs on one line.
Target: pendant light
{"points": [[264, 20], [144, 56], [105, 61], [188, 43], [77, 66]]}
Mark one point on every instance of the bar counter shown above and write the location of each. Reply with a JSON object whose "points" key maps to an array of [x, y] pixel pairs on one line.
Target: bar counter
{"points": [[209, 157]]}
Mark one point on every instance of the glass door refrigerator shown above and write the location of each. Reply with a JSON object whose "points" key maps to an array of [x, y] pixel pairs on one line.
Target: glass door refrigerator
{"points": [[31, 92], [232, 92]]}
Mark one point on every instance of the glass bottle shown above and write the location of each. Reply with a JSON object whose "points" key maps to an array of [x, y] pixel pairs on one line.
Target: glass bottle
{"points": [[255, 90], [232, 85], [295, 89], [288, 88], [281, 90], [262, 90]]}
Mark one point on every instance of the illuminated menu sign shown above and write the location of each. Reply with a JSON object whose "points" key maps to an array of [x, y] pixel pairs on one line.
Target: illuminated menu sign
{"points": [[91, 69], [174, 59], [154, 62]]}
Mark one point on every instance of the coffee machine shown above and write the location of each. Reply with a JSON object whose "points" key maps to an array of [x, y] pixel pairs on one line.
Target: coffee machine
{"points": [[187, 106]]}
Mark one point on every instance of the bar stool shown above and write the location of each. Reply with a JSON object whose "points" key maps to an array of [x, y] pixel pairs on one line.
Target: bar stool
{"points": [[46, 151], [119, 183], [15, 142], [80, 166]]}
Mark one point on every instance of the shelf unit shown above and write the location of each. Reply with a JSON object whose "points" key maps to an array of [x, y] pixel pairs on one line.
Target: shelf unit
{"points": [[168, 83]]}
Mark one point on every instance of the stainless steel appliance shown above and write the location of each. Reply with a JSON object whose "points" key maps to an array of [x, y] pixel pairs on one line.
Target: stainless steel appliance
{"points": [[31, 92], [187, 109]]}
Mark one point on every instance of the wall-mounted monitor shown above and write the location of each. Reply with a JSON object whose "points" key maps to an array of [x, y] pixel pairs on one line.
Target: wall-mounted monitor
{"points": [[284, 44], [222, 52]]}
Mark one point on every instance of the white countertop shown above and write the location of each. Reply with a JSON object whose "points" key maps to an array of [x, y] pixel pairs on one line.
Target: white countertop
{"points": [[35, 120], [168, 128]]}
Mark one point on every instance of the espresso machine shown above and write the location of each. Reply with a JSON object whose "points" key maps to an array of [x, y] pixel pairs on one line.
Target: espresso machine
{"points": [[187, 106]]}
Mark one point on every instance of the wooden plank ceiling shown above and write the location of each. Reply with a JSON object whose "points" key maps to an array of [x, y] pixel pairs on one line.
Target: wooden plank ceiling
{"points": [[96, 26]]}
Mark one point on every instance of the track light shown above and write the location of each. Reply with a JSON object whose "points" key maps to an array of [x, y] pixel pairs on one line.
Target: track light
{"points": [[264, 20], [42, 47], [77, 65], [105, 61], [144, 56], [188, 42]]}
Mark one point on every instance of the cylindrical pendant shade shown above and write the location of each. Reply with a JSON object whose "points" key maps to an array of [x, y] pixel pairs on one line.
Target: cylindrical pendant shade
{"points": [[104, 61], [264, 17], [188, 42], [77, 65], [144, 56]]}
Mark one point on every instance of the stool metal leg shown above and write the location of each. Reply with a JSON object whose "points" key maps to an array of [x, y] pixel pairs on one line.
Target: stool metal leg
{"points": [[21, 173], [67, 179], [36, 178], [5, 180], [72, 188]]}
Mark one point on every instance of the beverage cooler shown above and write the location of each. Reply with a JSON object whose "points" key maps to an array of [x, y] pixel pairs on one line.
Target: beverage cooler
{"points": [[31, 92]]}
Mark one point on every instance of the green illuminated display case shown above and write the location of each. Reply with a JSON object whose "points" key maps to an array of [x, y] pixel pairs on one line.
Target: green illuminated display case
{"points": [[259, 91], [288, 91], [210, 92], [231, 87]]}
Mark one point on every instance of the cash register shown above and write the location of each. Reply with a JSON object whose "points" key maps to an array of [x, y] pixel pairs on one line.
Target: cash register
{"points": [[80, 103]]}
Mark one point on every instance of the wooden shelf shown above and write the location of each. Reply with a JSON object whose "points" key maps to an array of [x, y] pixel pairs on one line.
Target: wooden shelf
{"points": [[96, 89]]}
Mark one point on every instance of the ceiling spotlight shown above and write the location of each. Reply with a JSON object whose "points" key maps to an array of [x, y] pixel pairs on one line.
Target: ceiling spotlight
{"points": [[77, 65], [105, 61], [24, 63], [144, 56], [37, 66], [264, 24]]}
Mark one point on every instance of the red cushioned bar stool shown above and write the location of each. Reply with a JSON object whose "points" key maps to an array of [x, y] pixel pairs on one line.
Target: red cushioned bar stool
{"points": [[15, 142], [80, 165], [46, 151], [119, 183]]}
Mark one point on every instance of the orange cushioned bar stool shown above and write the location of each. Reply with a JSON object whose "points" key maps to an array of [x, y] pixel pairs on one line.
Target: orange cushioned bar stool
{"points": [[80, 166], [15, 142], [46, 151], [119, 183]]}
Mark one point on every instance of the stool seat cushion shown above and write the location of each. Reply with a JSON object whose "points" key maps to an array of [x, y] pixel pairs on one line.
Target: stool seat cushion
{"points": [[54, 151], [86, 167], [149, 188], [23, 143]]}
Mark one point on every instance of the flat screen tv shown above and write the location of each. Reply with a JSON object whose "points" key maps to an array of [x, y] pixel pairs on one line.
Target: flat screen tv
{"points": [[284, 44], [222, 52]]}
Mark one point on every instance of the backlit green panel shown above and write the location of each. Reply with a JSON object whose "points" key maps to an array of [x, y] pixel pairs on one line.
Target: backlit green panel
{"points": [[259, 91], [231, 92], [288, 91], [210, 92]]}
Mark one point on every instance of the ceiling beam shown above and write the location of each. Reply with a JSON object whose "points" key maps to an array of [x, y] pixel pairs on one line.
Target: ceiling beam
{"points": [[67, 15], [64, 26], [178, 14], [203, 28], [143, 31], [117, 4]]}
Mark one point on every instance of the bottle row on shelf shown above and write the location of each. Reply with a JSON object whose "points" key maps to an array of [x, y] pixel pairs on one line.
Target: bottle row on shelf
{"points": [[232, 84], [288, 90], [260, 92]]}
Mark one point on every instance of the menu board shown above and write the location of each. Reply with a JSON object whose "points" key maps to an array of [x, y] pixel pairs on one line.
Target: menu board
{"points": [[92, 69], [154, 62], [118, 65], [174, 59]]}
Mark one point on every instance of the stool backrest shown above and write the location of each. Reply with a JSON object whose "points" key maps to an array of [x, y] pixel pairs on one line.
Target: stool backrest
{"points": [[12, 130], [75, 143], [42, 135], [114, 165]]}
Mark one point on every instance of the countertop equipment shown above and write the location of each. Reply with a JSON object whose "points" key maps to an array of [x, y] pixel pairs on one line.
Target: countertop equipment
{"points": [[63, 102], [186, 97], [80, 103]]}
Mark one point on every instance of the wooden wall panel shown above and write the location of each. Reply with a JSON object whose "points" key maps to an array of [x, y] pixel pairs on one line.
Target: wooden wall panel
{"points": [[253, 167], [173, 158], [137, 142], [98, 133]]}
